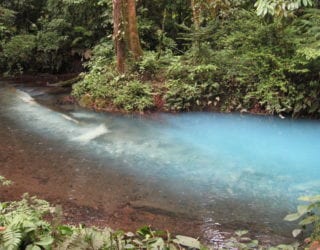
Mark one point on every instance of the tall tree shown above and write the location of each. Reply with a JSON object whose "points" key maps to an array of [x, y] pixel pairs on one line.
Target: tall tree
{"points": [[125, 32], [118, 38], [196, 12], [132, 30]]}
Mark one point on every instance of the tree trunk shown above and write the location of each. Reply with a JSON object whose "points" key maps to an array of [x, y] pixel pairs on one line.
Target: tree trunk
{"points": [[125, 32], [119, 43], [133, 35], [196, 13]]}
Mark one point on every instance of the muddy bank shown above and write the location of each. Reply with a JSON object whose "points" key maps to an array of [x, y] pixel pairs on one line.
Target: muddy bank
{"points": [[38, 79]]}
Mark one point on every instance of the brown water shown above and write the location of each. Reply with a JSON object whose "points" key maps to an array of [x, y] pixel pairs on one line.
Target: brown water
{"points": [[96, 189]]}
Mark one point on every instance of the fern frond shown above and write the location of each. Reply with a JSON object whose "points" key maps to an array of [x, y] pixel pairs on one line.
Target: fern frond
{"points": [[11, 239]]}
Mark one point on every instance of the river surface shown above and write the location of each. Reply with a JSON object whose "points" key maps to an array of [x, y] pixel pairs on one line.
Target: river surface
{"points": [[194, 173]]}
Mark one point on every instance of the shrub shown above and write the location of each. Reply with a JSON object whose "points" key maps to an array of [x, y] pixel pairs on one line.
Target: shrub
{"points": [[193, 86], [134, 96], [99, 81], [19, 52], [181, 96], [50, 54], [120, 91], [148, 65], [6, 23], [273, 94]]}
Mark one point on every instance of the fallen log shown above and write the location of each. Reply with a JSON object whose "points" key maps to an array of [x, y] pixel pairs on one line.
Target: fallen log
{"points": [[66, 83]]}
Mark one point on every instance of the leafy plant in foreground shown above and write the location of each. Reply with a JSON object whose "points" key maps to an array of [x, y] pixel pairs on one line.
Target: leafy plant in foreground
{"points": [[309, 215], [23, 226]]}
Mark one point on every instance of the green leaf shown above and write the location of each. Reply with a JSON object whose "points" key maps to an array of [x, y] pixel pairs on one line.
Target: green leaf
{"points": [[292, 217], [65, 230], [302, 209], [45, 241], [33, 247], [309, 220], [158, 244], [315, 198], [144, 231], [187, 241]]}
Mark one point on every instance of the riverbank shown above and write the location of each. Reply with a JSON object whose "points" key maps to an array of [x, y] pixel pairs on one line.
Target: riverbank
{"points": [[65, 83], [87, 101]]}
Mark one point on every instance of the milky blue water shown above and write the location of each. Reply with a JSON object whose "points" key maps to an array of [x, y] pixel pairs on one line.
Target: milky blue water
{"points": [[225, 168]]}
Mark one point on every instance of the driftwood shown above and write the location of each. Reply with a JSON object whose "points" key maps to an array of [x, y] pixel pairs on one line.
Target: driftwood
{"points": [[66, 83]]}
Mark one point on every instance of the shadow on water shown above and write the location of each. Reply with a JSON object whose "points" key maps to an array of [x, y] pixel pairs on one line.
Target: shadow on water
{"points": [[192, 173]]}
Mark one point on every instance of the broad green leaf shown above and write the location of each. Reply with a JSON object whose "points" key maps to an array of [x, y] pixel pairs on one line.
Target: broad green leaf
{"points": [[33, 247], [302, 209], [187, 241], [292, 217], [159, 244], [65, 230], [309, 220], [45, 241], [310, 198]]}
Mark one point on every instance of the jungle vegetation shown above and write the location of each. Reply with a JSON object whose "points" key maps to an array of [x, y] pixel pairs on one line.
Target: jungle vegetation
{"points": [[187, 55]]}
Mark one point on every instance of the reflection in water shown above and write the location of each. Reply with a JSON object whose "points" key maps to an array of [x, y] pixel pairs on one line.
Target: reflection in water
{"points": [[223, 168]]}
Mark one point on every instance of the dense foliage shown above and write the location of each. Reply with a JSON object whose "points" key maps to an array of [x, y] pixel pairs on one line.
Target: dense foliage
{"points": [[239, 63], [199, 55], [48, 35]]}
